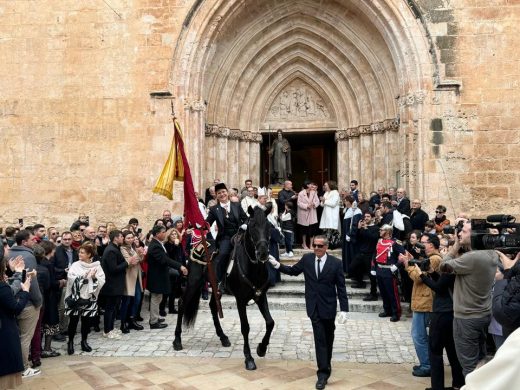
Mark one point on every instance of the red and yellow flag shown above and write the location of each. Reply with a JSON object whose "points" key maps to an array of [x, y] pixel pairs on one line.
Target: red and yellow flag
{"points": [[178, 169]]}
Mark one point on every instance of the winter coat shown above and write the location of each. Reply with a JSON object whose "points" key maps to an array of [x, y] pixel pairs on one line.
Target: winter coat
{"points": [[306, 213], [330, 215]]}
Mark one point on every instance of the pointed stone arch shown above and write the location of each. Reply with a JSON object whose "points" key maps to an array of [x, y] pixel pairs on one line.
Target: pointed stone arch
{"points": [[233, 56]]}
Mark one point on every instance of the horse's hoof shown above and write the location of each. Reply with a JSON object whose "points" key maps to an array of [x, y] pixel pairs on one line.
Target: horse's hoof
{"points": [[250, 364], [225, 342], [177, 345], [261, 350]]}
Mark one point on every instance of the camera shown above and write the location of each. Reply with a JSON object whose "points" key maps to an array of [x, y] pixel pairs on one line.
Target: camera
{"points": [[453, 229], [504, 241], [424, 264]]}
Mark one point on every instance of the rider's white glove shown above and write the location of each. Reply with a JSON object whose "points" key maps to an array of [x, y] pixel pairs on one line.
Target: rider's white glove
{"points": [[243, 227], [393, 268], [342, 317], [373, 273], [347, 238], [274, 262]]}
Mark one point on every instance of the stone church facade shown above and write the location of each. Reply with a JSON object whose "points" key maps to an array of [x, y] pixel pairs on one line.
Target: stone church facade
{"points": [[423, 94]]}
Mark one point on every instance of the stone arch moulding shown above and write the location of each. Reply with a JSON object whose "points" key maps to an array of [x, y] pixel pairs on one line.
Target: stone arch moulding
{"points": [[206, 41]]}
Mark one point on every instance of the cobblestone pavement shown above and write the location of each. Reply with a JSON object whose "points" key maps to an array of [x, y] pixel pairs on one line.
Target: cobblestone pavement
{"points": [[364, 338]]}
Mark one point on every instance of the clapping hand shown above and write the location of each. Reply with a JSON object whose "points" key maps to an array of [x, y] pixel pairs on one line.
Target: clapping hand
{"points": [[17, 264]]}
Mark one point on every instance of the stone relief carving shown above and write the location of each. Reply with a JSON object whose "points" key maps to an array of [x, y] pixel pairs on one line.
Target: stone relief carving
{"points": [[233, 134], [374, 128], [412, 98], [298, 102]]}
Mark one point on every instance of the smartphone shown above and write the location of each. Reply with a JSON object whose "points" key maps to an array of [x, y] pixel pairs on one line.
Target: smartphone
{"points": [[87, 219], [24, 275], [20, 221], [139, 231]]}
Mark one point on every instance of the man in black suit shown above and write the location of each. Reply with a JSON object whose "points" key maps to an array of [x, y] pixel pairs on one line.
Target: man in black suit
{"points": [[229, 217], [158, 275], [402, 203], [324, 284]]}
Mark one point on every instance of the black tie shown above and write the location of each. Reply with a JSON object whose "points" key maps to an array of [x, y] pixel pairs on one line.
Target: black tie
{"points": [[319, 271]]}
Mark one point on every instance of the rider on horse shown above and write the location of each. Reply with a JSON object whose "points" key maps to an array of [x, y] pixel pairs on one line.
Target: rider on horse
{"points": [[230, 217]]}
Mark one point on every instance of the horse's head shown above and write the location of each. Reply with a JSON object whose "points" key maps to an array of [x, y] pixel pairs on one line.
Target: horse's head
{"points": [[258, 230]]}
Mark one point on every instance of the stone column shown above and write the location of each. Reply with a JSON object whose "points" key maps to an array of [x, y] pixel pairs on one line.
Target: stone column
{"points": [[343, 157], [193, 130], [366, 177]]}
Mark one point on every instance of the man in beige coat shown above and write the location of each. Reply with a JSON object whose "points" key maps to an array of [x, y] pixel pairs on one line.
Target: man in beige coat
{"points": [[422, 302]]}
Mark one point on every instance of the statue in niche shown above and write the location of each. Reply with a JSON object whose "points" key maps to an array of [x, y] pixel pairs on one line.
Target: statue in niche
{"points": [[280, 158]]}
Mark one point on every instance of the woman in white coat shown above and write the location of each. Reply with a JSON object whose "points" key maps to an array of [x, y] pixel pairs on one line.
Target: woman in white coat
{"points": [[330, 202]]}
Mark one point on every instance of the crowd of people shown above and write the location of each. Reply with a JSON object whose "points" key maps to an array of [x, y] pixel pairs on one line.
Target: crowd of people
{"points": [[52, 281]]}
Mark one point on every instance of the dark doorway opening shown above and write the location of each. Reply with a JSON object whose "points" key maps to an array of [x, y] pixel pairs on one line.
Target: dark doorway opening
{"points": [[313, 157]]}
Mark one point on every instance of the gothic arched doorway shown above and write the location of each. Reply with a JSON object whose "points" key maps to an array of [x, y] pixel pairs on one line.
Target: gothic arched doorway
{"points": [[243, 68]]}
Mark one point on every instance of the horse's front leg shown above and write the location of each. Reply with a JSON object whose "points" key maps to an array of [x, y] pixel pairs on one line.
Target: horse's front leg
{"points": [[244, 326], [177, 342], [269, 325], [216, 321]]}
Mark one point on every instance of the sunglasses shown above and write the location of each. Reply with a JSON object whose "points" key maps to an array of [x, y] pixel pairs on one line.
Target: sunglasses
{"points": [[438, 212], [318, 245]]}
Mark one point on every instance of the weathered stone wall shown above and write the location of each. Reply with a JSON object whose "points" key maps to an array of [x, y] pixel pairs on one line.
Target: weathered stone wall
{"points": [[80, 132]]}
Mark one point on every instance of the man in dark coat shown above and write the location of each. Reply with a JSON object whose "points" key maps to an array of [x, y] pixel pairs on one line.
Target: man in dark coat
{"points": [[324, 284], [402, 203], [114, 266], [158, 275], [418, 217], [229, 217]]}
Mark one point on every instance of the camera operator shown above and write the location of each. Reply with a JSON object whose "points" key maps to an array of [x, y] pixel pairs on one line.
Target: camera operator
{"points": [[422, 300], [506, 295], [474, 276], [441, 320]]}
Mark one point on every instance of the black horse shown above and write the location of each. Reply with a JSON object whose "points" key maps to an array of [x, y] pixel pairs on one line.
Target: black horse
{"points": [[249, 278]]}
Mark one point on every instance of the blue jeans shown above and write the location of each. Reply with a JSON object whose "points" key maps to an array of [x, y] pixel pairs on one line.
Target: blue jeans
{"points": [[289, 239], [420, 321]]}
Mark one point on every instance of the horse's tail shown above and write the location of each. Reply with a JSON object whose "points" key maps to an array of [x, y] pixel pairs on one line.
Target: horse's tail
{"points": [[191, 297]]}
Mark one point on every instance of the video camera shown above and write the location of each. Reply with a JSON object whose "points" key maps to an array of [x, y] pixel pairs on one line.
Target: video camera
{"points": [[423, 261], [504, 241], [450, 229]]}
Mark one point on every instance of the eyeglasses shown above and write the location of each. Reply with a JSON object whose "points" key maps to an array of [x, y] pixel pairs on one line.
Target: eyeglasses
{"points": [[319, 245], [438, 212]]}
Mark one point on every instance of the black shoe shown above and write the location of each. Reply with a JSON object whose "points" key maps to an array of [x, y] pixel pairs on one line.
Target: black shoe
{"points": [[205, 295], [96, 328], [321, 383], [370, 298], [162, 313], [161, 320], [124, 328], [421, 372], [383, 314], [70, 347], [394, 319], [59, 337], [85, 347], [158, 325], [134, 325], [139, 318]]}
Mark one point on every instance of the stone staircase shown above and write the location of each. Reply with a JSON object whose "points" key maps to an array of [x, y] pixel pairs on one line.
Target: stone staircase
{"points": [[289, 294]]}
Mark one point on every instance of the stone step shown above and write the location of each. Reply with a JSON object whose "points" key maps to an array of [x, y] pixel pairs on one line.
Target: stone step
{"points": [[284, 289], [287, 303]]}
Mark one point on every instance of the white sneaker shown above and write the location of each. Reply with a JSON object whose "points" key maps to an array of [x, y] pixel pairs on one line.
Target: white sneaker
{"points": [[31, 372], [113, 335], [118, 331], [284, 255], [290, 254]]}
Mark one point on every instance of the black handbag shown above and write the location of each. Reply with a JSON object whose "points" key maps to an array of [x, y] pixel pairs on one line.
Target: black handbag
{"points": [[76, 304]]}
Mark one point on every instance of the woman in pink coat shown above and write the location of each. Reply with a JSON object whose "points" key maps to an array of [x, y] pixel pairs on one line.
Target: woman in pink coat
{"points": [[307, 217]]}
